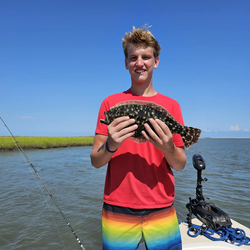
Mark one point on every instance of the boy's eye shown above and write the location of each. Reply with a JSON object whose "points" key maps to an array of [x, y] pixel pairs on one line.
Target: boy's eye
{"points": [[133, 58]]}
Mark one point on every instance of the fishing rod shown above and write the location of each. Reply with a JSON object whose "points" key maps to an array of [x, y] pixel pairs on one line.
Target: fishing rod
{"points": [[22, 151]]}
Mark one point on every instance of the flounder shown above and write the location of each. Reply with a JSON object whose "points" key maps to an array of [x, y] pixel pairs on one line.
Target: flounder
{"points": [[142, 111]]}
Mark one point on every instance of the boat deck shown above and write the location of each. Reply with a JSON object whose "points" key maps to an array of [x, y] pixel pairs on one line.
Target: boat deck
{"points": [[202, 242]]}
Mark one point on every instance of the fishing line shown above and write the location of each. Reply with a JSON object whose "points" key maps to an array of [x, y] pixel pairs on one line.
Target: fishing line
{"points": [[45, 198], [23, 153]]}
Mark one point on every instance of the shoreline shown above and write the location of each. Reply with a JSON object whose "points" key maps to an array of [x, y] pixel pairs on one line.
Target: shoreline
{"points": [[7, 143]]}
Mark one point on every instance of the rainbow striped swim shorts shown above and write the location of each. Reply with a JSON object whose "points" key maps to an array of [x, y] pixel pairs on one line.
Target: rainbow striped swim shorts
{"points": [[123, 228]]}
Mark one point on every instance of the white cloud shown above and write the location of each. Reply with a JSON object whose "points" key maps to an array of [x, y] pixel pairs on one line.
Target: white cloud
{"points": [[207, 130], [234, 128]]}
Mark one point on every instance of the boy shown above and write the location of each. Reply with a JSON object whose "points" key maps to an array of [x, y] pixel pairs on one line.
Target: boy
{"points": [[139, 187]]}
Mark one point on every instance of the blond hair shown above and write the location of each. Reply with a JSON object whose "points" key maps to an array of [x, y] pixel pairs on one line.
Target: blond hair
{"points": [[140, 36]]}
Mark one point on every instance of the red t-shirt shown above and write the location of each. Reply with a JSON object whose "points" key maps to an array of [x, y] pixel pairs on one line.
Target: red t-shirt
{"points": [[138, 175]]}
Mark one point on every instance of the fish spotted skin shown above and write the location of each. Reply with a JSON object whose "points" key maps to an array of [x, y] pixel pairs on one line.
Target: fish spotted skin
{"points": [[142, 111]]}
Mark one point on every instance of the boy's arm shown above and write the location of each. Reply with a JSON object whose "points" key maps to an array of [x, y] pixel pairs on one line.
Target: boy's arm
{"points": [[176, 157], [99, 156], [118, 131]]}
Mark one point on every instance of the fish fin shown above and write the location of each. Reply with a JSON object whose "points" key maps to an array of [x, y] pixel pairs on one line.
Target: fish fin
{"points": [[140, 102], [152, 105], [190, 136]]}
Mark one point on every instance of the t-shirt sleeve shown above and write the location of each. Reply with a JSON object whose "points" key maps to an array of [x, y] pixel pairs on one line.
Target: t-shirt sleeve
{"points": [[100, 127]]}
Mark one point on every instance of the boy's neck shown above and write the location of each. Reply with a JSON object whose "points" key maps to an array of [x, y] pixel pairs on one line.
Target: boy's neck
{"points": [[143, 90]]}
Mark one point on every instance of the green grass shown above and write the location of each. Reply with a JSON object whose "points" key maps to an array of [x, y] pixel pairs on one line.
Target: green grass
{"points": [[7, 143]]}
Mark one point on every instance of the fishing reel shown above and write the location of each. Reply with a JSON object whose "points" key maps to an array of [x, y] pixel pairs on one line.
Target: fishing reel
{"points": [[210, 215]]}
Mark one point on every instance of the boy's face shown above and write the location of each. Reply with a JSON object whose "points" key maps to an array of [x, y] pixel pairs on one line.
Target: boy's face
{"points": [[141, 63]]}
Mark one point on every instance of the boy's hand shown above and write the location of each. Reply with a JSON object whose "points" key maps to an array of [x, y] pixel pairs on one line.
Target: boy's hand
{"points": [[119, 130], [162, 139]]}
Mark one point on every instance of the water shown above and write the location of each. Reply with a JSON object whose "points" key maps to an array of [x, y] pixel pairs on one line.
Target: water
{"points": [[30, 220]]}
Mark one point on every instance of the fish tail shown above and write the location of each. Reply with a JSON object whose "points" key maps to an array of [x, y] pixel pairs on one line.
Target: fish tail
{"points": [[190, 136]]}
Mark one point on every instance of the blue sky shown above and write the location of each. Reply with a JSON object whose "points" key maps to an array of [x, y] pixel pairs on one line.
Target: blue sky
{"points": [[60, 59]]}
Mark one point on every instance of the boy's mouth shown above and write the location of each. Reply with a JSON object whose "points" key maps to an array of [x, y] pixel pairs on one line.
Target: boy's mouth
{"points": [[140, 71]]}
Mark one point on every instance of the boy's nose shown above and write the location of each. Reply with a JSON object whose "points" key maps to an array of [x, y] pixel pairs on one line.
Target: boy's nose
{"points": [[139, 62]]}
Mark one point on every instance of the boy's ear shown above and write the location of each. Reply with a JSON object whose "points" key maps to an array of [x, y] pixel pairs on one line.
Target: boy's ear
{"points": [[126, 66], [157, 60]]}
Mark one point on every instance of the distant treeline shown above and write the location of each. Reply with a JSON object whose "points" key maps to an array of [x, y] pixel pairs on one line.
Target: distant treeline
{"points": [[7, 143]]}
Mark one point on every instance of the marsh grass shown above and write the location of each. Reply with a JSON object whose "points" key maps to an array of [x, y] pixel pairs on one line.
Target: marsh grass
{"points": [[7, 143]]}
